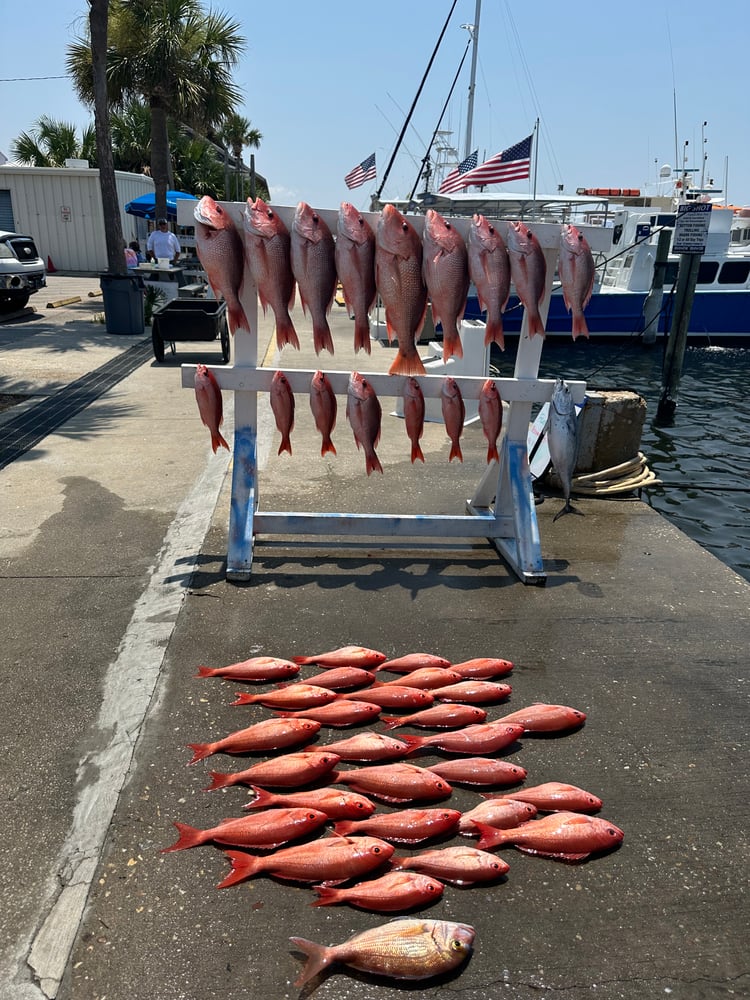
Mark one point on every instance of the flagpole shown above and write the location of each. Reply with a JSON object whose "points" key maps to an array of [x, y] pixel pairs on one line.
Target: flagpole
{"points": [[536, 153], [473, 30]]}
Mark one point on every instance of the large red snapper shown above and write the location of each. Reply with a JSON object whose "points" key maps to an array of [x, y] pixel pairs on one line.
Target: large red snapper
{"points": [[355, 264], [266, 830], [528, 270], [577, 270], [473, 692], [398, 276], [454, 412], [543, 718], [210, 405], [402, 949], [394, 892], [565, 836], [221, 253], [414, 410], [424, 677], [491, 417], [339, 678], [314, 268], [324, 409], [489, 269], [446, 273], [282, 405], [267, 252], [392, 696], [363, 411]]}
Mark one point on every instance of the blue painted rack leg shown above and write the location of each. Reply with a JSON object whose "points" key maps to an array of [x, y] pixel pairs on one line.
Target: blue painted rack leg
{"points": [[243, 502]]}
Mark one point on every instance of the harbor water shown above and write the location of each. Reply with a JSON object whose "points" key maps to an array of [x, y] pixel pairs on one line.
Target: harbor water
{"points": [[703, 457]]}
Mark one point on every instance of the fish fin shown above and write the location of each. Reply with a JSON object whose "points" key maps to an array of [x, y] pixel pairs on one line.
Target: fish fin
{"points": [[452, 347], [303, 660], [328, 446], [326, 896], [416, 452], [344, 827], [580, 327], [492, 453], [219, 780], [455, 452], [318, 958], [567, 509], [201, 751], [206, 672], [489, 836], [372, 464], [390, 330], [322, 339], [404, 364], [261, 799], [237, 318], [218, 441], [189, 837], [493, 334], [535, 324], [414, 743], [245, 698], [243, 866], [286, 445], [362, 335], [398, 862], [554, 855], [285, 333], [391, 721]]}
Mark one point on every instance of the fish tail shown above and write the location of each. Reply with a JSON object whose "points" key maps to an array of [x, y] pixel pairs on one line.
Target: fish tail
{"points": [[535, 324], [328, 446], [219, 780], [372, 464], [322, 339], [326, 896], [362, 335], [567, 509], [493, 334], [243, 866], [405, 364], [318, 957], [285, 332], [489, 836], [416, 452], [237, 318], [391, 721], [244, 698], [201, 751], [286, 445], [580, 327], [303, 660], [218, 441], [452, 346], [189, 837], [206, 672], [414, 743], [262, 798], [492, 453], [344, 827], [397, 862], [455, 452]]}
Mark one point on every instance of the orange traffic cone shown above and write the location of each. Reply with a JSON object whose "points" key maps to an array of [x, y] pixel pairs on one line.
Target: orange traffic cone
{"points": [[50, 266]]}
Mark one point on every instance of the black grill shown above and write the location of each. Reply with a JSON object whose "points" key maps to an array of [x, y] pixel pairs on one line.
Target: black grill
{"points": [[24, 248]]}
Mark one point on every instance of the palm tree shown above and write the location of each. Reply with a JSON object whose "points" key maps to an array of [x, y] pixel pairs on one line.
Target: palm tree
{"points": [[49, 143], [237, 131], [131, 137], [174, 55]]}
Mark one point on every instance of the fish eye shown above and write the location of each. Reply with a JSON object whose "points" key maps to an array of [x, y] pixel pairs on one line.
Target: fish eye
{"points": [[405, 227], [376, 850], [360, 805], [611, 832], [315, 217], [269, 213], [491, 230], [457, 945]]}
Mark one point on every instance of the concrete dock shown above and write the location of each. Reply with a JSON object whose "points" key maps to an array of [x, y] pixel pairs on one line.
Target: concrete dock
{"points": [[112, 555]]}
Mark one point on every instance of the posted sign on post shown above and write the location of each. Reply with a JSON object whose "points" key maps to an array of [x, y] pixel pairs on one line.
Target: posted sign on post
{"points": [[691, 228]]}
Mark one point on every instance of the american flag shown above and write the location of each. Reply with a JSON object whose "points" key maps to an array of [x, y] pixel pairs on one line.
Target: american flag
{"points": [[511, 165], [364, 171], [454, 181]]}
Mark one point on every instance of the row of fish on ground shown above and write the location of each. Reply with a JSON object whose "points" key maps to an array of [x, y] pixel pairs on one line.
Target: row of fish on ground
{"points": [[394, 262], [346, 867]]}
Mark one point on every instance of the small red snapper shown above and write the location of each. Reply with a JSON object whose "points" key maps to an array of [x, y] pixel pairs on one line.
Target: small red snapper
{"points": [[414, 410], [413, 661], [324, 409], [210, 405], [501, 812], [355, 264], [565, 836], [397, 782], [398, 276], [473, 692], [336, 804], [266, 830], [489, 269], [425, 677], [368, 746], [457, 865], [577, 270], [267, 251], [363, 411], [355, 656], [314, 268], [491, 417], [339, 712], [446, 274], [528, 270], [543, 718], [454, 412], [270, 734], [394, 892], [287, 771], [438, 717], [222, 255], [282, 405], [257, 668], [555, 795], [480, 771], [392, 696], [337, 678], [406, 826], [484, 666], [482, 738], [289, 696]]}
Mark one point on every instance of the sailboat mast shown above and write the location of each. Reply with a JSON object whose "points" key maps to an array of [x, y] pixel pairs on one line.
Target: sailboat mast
{"points": [[474, 31]]}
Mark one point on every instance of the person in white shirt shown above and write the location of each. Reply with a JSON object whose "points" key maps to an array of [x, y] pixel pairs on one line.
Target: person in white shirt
{"points": [[163, 243]]}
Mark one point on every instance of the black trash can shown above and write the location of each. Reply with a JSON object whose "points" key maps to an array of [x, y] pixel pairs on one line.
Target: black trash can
{"points": [[123, 303]]}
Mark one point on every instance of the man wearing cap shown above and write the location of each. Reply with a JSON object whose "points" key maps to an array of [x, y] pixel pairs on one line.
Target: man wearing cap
{"points": [[163, 243]]}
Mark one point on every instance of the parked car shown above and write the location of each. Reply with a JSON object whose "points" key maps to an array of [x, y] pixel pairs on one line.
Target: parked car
{"points": [[22, 270]]}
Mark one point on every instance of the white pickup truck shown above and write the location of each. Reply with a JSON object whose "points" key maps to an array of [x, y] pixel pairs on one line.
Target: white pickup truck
{"points": [[22, 270]]}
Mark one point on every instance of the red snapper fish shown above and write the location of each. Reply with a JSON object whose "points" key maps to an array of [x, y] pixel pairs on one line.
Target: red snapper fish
{"points": [[256, 668], [577, 270], [414, 410], [457, 865], [210, 405], [345, 656], [554, 795], [484, 667], [324, 408], [265, 831], [355, 264], [501, 812], [402, 949], [314, 268], [424, 677], [291, 696], [338, 678], [444, 716], [543, 718], [397, 782], [338, 713], [414, 661], [329, 861], [480, 771], [491, 417], [368, 746], [288, 771], [394, 892], [364, 413], [270, 734], [335, 803], [267, 251], [405, 826], [489, 269], [392, 696], [222, 256], [473, 692], [454, 412], [282, 405], [564, 836], [483, 738], [446, 274], [528, 270], [398, 276]]}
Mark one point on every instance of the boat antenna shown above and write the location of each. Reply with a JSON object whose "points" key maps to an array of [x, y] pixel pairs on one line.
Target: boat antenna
{"points": [[473, 30], [414, 102], [426, 157], [536, 153]]}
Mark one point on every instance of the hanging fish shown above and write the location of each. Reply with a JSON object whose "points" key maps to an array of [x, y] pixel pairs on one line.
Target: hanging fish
{"points": [[491, 417], [398, 276], [210, 405], [222, 256], [528, 270], [282, 405], [267, 253], [324, 408], [454, 412], [562, 440], [489, 269], [446, 274], [355, 264], [314, 268], [363, 411], [414, 410], [577, 270]]}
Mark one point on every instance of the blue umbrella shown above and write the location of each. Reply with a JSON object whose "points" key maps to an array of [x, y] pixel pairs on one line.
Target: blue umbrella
{"points": [[145, 205]]}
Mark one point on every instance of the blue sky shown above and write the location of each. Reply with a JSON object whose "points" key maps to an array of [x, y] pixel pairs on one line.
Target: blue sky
{"points": [[329, 83]]}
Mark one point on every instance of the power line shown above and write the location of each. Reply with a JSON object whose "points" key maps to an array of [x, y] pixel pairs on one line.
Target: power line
{"points": [[24, 79]]}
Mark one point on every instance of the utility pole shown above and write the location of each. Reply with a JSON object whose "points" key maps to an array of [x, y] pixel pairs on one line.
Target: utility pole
{"points": [[652, 305], [687, 277]]}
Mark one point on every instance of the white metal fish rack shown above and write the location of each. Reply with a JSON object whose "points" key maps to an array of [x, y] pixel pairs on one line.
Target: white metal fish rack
{"points": [[502, 506]]}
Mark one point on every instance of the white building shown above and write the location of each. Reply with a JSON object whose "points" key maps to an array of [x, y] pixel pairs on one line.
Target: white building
{"points": [[61, 208]]}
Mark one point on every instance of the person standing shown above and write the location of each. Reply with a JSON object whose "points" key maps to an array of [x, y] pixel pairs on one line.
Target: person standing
{"points": [[163, 243]]}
